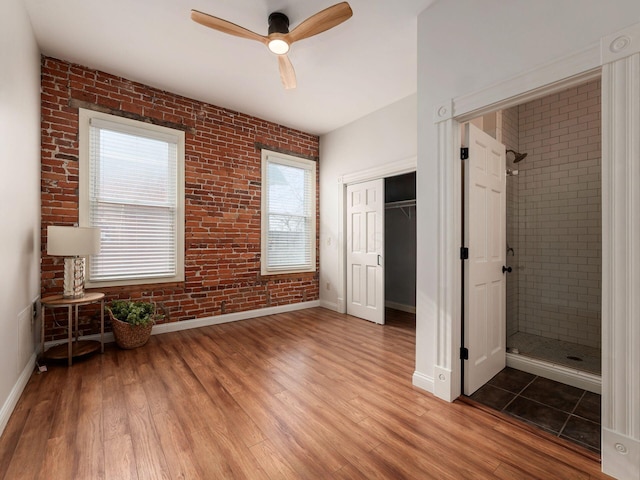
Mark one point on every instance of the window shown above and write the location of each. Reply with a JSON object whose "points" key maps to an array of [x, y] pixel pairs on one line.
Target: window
{"points": [[132, 187], [288, 214]]}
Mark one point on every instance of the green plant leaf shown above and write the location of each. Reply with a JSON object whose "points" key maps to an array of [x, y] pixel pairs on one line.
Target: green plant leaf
{"points": [[134, 313]]}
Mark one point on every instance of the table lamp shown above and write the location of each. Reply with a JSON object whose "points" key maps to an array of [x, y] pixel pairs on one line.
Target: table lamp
{"points": [[73, 243]]}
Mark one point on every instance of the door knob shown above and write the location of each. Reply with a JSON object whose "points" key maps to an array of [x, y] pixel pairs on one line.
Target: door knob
{"points": [[506, 269]]}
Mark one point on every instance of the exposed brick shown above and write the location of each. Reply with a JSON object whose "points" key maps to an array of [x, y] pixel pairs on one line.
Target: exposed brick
{"points": [[222, 194]]}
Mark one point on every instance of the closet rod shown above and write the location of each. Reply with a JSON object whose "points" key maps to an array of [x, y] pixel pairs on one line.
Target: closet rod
{"points": [[400, 204]]}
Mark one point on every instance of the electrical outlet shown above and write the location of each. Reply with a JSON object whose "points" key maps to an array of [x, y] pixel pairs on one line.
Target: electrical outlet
{"points": [[328, 285]]}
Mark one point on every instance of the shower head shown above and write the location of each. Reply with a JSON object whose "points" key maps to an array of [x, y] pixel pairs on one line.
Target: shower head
{"points": [[517, 157]]}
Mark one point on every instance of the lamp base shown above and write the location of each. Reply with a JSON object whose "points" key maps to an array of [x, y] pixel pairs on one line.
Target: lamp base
{"points": [[73, 277]]}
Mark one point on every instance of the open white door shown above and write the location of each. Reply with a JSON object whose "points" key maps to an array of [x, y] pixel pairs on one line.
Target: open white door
{"points": [[365, 246], [484, 279]]}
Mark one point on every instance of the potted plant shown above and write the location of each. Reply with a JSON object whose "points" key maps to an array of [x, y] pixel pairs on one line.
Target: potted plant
{"points": [[132, 322]]}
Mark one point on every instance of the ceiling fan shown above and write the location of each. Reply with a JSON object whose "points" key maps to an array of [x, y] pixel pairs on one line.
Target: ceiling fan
{"points": [[279, 39]]}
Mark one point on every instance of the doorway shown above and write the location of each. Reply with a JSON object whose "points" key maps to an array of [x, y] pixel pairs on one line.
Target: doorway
{"points": [[381, 247], [400, 242], [553, 233], [554, 248]]}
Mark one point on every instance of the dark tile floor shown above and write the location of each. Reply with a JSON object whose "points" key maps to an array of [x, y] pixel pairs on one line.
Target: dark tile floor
{"points": [[562, 410]]}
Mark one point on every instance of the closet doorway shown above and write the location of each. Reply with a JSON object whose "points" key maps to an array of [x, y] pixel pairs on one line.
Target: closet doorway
{"points": [[381, 247], [400, 243]]}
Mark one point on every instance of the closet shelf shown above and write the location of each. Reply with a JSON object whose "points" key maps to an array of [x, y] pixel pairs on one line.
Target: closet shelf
{"points": [[403, 205]]}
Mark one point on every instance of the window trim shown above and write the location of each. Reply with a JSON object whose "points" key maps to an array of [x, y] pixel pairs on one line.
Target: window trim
{"points": [[298, 162], [84, 119]]}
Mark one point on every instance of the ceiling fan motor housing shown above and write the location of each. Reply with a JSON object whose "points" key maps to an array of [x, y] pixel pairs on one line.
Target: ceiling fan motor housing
{"points": [[278, 23]]}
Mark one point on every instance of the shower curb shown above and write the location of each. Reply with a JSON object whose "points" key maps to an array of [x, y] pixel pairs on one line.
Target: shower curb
{"points": [[559, 373]]}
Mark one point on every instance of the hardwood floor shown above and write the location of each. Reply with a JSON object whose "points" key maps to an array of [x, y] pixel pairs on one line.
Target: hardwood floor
{"points": [[303, 395]]}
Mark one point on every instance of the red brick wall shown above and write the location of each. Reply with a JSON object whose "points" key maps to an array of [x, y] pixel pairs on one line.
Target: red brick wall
{"points": [[222, 190]]}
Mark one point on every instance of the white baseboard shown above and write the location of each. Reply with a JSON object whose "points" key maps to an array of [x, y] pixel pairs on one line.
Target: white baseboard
{"points": [[342, 306], [231, 317], [16, 391], [559, 373], [206, 321], [330, 306], [423, 381], [400, 306]]}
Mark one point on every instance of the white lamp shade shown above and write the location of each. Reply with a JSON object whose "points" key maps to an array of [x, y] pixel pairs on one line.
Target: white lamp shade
{"points": [[73, 241]]}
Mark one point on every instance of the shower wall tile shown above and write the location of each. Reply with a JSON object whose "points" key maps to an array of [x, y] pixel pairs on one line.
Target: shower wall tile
{"points": [[557, 217]]}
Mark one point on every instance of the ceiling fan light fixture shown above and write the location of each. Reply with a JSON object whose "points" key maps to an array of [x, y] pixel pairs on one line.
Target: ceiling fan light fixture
{"points": [[278, 46], [279, 39]]}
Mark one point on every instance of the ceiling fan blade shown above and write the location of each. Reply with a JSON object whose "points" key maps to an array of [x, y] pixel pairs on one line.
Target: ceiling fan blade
{"points": [[287, 73], [321, 21], [225, 26]]}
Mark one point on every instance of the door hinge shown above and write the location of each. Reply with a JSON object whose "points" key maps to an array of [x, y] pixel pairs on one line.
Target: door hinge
{"points": [[464, 253], [464, 153], [464, 353]]}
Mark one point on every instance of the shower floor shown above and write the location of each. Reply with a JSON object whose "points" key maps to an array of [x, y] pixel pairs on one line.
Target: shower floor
{"points": [[572, 355]]}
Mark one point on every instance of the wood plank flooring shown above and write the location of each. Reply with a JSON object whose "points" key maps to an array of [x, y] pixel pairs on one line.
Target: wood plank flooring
{"points": [[303, 395]]}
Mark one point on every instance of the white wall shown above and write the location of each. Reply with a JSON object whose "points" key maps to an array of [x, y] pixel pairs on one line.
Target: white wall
{"points": [[20, 200], [377, 141], [500, 40], [493, 42]]}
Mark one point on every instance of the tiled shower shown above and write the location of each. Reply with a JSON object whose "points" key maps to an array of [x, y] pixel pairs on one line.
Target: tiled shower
{"points": [[554, 228]]}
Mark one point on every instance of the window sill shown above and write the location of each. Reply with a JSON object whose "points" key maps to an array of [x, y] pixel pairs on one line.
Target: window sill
{"points": [[135, 282], [288, 274]]}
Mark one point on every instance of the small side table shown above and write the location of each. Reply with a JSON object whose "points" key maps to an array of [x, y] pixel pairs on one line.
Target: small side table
{"points": [[74, 348]]}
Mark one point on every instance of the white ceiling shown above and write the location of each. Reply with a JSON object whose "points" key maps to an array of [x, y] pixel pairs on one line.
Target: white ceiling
{"points": [[358, 67]]}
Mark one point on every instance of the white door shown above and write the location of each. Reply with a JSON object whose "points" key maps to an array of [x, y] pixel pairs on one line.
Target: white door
{"points": [[365, 246], [484, 280]]}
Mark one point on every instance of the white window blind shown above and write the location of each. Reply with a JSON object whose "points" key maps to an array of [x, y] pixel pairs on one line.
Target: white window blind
{"points": [[289, 214], [133, 198]]}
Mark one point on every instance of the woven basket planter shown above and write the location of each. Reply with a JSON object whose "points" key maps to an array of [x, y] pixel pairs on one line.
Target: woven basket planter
{"points": [[129, 336]]}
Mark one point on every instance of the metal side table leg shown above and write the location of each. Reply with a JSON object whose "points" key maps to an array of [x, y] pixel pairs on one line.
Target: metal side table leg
{"points": [[102, 326], [42, 319], [70, 346]]}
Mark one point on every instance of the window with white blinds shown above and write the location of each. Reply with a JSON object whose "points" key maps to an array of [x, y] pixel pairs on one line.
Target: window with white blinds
{"points": [[132, 186], [288, 214]]}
